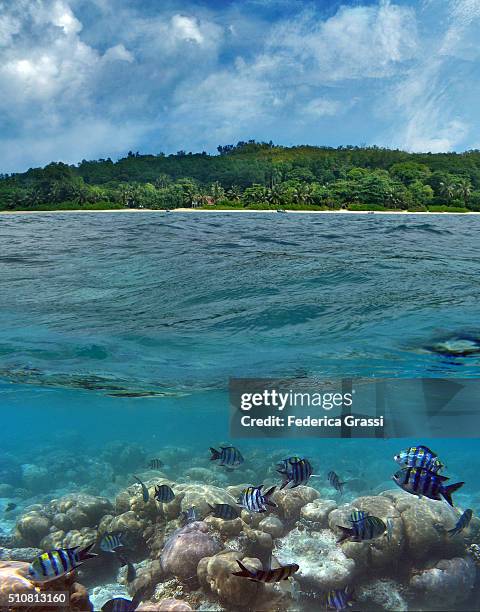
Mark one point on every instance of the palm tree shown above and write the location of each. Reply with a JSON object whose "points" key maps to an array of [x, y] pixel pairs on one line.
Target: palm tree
{"points": [[464, 188]]}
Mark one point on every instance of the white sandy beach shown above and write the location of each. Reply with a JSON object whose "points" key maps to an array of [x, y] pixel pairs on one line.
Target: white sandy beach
{"points": [[232, 210]]}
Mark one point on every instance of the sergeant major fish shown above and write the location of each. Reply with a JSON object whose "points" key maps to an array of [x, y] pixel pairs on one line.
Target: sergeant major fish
{"points": [[334, 480], [254, 500], [462, 523], [421, 457], [419, 481], [155, 464], [58, 562], [164, 494], [111, 541], [340, 599], [121, 604], [295, 472], [369, 528], [224, 511], [271, 575], [230, 457]]}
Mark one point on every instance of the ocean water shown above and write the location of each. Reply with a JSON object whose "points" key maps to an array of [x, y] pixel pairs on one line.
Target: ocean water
{"points": [[125, 328]]}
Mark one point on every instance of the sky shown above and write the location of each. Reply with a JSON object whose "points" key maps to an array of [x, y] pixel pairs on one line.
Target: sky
{"points": [[87, 79]]}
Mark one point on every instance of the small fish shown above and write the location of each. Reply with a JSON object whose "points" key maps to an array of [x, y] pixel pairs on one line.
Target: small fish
{"points": [[58, 562], [224, 511], [145, 493], [120, 604], [419, 481], [164, 494], [254, 500], [296, 472], [155, 464], [334, 480], [369, 528], [462, 523], [390, 525], [340, 599], [284, 464], [420, 457], [230, 457], [271, 575], [10, 506], [190, 515], [131, 572], [111, 541]]}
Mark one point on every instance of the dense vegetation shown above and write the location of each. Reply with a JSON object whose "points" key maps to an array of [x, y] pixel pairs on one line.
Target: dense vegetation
{"points": [[255, 175]]}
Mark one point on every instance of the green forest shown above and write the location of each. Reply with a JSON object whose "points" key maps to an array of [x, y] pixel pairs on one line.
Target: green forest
{"points": [[255, 175]]}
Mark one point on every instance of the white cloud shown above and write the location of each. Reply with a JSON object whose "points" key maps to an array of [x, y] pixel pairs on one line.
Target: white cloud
{"points": [[118, 53], [187, 28], [431, 99], [198, 77]]}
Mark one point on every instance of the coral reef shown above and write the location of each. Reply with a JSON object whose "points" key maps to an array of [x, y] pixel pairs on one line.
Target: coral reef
{"points": [[181, 565]]}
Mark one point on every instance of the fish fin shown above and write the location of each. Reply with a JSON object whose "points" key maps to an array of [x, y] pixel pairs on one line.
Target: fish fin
{"points": [[244, 573], [85, 553], [137, 598], [346, 533], [453, 532], [267, 494], [447, 491], [215, 454], [229, 469], [212, 509]]}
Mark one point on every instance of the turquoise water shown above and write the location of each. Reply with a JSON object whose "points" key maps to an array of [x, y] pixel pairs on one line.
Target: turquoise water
{"points": [[127, 327]]}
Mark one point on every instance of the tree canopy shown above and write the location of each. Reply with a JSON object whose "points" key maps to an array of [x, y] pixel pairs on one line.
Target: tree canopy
{"points": [[255, 175]]}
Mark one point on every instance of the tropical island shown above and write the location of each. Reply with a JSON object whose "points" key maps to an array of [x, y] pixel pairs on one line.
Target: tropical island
{"points": [[255, 175]]}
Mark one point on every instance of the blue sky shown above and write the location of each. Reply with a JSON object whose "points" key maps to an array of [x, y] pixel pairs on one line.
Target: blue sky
{"points": [[96, 78]]}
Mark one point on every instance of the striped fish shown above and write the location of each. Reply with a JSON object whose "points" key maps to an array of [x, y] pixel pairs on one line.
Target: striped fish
{"points": [[421, 457], [121, 604], [164, 494], [145, 493], [224, 511], [230, 457], [462, 523], [295, 472], [369, 528], [111, 541], [254, 500], [339, 599], [282, 466], [155, 464], [334, 480], [58, 562], [419, 481], [190, 515], [271, 575]]}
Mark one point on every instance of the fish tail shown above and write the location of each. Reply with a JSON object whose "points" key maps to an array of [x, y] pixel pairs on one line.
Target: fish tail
{"points": [[215, 454], [244, 573], [85, 553], [447, 491], [267, 494], [346, 533]]}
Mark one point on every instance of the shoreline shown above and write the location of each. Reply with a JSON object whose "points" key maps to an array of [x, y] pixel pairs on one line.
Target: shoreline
{"points": [[233, 210]]}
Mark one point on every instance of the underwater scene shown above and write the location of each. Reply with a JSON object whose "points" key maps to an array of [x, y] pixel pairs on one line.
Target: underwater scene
{"points": [[120, 483]]}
